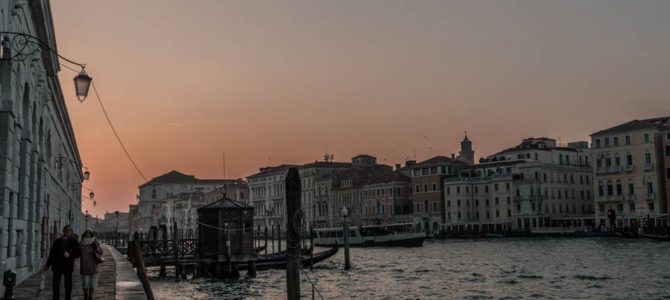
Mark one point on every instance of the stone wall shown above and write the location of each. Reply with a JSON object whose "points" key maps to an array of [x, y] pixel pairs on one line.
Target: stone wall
{"points": [[40, 167]]}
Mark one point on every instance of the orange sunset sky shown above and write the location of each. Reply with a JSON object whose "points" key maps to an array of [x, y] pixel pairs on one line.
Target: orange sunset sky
{"points": [[271, 82]]}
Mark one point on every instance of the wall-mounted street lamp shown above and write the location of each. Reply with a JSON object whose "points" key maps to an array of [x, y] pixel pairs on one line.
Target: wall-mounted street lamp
{"points": [[87, 174], [18, 46]]}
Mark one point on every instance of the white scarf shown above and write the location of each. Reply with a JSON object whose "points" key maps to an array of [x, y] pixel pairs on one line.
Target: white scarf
{"points": [[87, 240]]}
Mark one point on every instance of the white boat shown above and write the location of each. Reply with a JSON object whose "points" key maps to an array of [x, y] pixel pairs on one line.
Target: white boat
{"points": [[390, 235]]}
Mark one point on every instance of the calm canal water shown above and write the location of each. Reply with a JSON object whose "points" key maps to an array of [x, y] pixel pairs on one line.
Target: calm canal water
{"points": [[508, 268]]}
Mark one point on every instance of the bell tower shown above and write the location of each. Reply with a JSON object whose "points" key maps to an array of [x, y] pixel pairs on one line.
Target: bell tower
{"points": [[466, 155]]}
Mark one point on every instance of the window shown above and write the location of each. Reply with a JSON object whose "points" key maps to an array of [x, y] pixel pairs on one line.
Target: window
{"points": [[497, 213], [448, 203], [628, 140], [418, 208], [597, 143], [509, 213], [509, 200], [601, 189], [646, 138], [417, 188], [425, 187], [667, 150], [497, 201], [629, 159], [495, 187], [650, 187], [668, 173], [488, 215], [615, 141], [448, 190], [476, 202], [434, 206], [487, 202], [434, 187], [610, 188], [444, 170], [607, 142], [631, 188], [507, 186], [433, 170], [651, 206], [458, 203], [631, 206], [647, 157], [619, 188]]}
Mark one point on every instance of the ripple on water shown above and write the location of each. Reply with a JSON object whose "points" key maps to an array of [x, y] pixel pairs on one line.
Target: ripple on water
{"points": [[529, 276], [592, 277], [509, 281]]}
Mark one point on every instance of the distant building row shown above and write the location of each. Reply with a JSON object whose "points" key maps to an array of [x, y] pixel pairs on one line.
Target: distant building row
{"points": [[537, 184]]}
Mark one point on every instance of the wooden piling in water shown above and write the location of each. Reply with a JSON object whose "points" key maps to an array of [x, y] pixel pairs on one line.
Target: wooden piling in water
{"points": [[293, 234], [141, 271], [175, 249], [266, 240]]}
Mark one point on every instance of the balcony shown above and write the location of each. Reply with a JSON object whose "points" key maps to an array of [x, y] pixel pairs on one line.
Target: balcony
{"points": [[629, 168], [606, 199], [648, 166], [601, 170], [630, 197], [615, 169], [651, 196]]}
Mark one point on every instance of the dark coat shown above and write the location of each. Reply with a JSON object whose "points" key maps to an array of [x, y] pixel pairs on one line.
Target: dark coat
{"points": [[87, 264], [57, 259]]}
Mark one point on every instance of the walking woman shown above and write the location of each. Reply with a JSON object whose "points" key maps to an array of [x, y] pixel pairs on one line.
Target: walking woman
{"points": [[91, 256]]}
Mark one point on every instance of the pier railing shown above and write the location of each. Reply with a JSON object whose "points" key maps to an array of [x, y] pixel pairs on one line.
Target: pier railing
{"points": [[161, 252]]}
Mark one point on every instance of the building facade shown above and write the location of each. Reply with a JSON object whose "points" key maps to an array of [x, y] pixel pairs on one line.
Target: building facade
{"points": [[427, 190], [234, 189], [386, 199], [555, 187], [40, 166], [630, 172], [267, 194], [154, 194], [481, 198], [310, 174]]}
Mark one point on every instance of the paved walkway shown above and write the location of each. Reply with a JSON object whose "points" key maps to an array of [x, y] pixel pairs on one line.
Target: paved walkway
{"points": [[107, 281]]}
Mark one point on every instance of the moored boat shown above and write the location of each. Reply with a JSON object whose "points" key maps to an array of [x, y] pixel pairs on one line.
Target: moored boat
{"points": [[389, 235]]}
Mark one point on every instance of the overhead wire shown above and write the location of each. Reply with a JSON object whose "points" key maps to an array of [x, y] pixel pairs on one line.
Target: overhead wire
{"points": [[111, 125], [109, 121]]}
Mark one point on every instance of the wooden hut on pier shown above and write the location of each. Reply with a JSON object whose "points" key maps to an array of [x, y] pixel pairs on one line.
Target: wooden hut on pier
{"points": [[226, 237]]}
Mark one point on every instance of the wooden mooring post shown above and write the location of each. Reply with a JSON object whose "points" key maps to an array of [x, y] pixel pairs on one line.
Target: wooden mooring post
{"points": [[293, 234], [141, 271], [175, 250]]}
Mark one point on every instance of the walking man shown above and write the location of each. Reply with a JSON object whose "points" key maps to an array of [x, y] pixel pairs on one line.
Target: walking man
{"points": [[61, 260]]}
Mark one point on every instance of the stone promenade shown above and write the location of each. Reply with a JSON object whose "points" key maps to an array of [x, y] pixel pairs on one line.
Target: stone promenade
{"points": [[116, 281]]}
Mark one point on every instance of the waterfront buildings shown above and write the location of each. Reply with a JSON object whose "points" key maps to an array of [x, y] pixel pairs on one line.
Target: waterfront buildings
{"points": [[347, 188], [40, 166], [313, 205], [386, 199], [234, 189], [267, 194], [427, 190], [168, 190], [631, 173], [110, 223], [529, 186]]}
